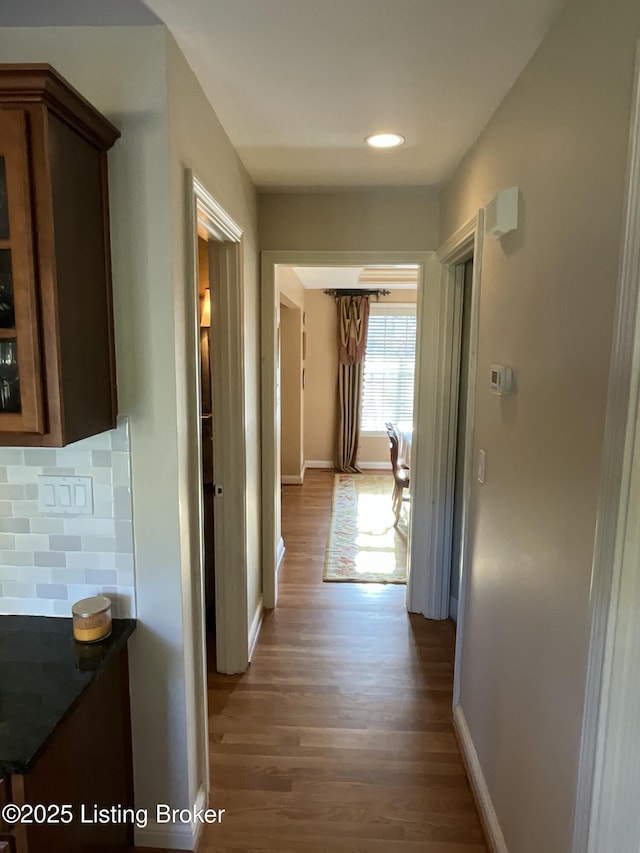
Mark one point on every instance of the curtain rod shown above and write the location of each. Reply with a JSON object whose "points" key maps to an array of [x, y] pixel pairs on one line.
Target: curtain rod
{"points": [[356, 292]]}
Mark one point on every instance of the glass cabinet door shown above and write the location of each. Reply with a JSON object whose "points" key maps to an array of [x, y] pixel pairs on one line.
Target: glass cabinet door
{"points": [[21, 393]]}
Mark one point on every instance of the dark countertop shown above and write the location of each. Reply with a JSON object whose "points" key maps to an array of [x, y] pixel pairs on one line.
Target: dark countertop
{"points": [[43, 673]]}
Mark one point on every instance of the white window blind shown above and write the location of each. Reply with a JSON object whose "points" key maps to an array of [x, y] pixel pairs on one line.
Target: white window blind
{"points": [[389, 367]]}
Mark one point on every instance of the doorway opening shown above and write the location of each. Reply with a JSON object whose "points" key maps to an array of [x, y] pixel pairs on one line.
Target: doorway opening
{"points": [[219, 411], [296, 309], [453, 424], [207, 443], [211, 440], [370, 520], [462, 320]]}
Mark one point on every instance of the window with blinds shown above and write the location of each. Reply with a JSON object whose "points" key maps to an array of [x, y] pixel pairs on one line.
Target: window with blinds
{"points": [[389, 367]]}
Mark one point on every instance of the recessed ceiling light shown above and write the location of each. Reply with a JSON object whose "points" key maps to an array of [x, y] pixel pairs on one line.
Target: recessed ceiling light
{"points": [[384, 140]]}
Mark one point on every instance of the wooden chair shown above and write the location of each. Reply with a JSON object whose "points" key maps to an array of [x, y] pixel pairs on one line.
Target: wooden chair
{"points": [[400, 472]]}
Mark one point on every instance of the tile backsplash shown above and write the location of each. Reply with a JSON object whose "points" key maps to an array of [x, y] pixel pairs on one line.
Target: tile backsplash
{"points": [[49, 561]]}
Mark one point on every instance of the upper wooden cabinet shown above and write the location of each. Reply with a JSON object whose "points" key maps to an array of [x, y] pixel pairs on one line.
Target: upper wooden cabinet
{"points": [[57, 364]]}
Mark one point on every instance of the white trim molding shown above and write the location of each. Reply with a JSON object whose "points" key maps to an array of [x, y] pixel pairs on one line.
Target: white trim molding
{"points": [[173, 836], [607, 815], [254, 630], [459, 244], [229, 459], [292, 479], [445, 314], [326, 463], [467, 242], [204, 217], [213, 218], [489, 818], [280, 553]]}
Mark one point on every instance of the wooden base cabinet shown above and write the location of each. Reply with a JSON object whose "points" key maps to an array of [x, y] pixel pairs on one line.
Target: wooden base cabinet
{"points": [[57, 364], [87, 767]]}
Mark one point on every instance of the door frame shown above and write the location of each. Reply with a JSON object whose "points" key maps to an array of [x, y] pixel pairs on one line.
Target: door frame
{"points": [[606, 815], [421, 451], [227, 347], [229, 454], [465, 243]]}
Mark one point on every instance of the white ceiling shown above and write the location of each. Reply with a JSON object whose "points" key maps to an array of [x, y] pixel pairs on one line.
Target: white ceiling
{"points": [[75, 13], [358, 278], [298, 84]]}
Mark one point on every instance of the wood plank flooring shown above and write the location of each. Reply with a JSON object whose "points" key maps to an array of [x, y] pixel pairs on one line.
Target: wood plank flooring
{"points": [[339, 737]]}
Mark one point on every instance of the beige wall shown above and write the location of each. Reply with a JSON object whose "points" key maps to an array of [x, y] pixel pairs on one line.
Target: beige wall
{"points": [[197, 141], [291, 458], [292, 300], [129, 74], [546, 309], [392, 219], [123, 72], [320, 399], [396, 219], [320, 395], [290, 286]]}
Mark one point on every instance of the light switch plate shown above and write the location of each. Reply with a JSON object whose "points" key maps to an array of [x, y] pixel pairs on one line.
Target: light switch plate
{"points": [[65, 495]]}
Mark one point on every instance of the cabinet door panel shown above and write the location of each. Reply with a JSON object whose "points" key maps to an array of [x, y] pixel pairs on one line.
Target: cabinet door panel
{"points": [[7, 312], [4, 207], [21, 393]]}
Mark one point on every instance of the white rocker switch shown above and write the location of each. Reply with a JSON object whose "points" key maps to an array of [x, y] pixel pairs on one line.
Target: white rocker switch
{"points": [[65, 495]]}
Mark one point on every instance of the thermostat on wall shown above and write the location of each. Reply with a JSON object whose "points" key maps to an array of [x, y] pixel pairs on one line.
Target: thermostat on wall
{"points": [[501, 379]]}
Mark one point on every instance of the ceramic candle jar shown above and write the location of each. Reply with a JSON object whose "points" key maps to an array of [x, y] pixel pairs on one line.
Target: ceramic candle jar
{"points": [[92, 619]]}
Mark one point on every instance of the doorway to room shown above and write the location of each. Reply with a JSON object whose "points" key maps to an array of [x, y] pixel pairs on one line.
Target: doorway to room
{"points": [[216, 442], [207, 439], [309, 362], [306, 398]]}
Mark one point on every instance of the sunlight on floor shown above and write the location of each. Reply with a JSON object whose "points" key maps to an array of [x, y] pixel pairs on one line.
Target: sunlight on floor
{"points": [[373, 514], [382, 562], [373, 590], [376, 535]]}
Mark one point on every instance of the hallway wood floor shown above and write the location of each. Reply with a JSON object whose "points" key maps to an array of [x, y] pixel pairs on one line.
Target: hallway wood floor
{"points": [[339, 738]]}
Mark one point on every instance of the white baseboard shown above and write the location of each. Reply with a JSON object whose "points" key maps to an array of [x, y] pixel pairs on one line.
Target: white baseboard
{"points": [[172, 836], [478, 783], [291, 479], [279, 554], [254, 630], [453, 608], [325, 463], [319, 463]]}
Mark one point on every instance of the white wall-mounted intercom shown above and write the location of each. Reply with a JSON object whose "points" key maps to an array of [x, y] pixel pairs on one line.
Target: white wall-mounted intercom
{"points": [[501, 379], [501, 215]]}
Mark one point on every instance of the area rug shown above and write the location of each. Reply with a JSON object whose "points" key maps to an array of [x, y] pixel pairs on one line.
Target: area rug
{"points": [[363, 544]]}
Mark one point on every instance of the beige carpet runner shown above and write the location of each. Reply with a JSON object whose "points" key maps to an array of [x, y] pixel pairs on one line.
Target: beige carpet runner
{"points": [[363, 544]]}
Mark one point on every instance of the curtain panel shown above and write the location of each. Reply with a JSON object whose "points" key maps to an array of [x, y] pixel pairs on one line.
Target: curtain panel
{"points": [[353, 319]]}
